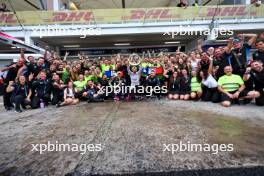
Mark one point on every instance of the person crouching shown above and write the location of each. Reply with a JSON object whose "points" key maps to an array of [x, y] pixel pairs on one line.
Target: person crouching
{"points": [[21, 93]]}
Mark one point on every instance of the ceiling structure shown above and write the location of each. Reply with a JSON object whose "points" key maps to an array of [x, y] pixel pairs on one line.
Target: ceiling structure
{"points": [[134, 40], [111, 40]]}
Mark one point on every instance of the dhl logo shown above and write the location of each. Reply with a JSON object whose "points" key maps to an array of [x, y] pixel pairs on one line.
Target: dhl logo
{"points": [[7, 18], [227, 11], [73, 16], [149, 14], [129, 14]]}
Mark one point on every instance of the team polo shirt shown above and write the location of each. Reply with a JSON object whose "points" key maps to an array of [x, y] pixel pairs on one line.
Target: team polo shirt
{"points": [[105, 67], [113, 66], [79, 84], [95, 78], [65, 75], [230, 83], [88, 78], [195, 85]]}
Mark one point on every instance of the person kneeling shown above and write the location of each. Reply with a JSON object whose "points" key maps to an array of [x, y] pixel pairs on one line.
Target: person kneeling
{"points": [[173, 86], [21, 93], [256, 74], [185, 85], [91, 93], [196, 88], [232, 88]]}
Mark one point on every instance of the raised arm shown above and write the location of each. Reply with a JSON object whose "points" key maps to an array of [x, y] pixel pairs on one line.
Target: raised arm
{"points": [[66, 55], [7, 68], [128, 69], [22, 54], [199, 45], [252, 38], [46, 52], [178, 50], [229, 46], [20, 71], [210, 69]]}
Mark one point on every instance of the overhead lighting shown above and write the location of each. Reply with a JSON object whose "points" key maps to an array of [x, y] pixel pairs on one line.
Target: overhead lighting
{"points": [[172, 42], [71, 46], [122, 44], [14, 47]]}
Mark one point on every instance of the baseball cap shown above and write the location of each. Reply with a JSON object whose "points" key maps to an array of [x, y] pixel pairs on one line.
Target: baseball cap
{"points": [[236, 40]]}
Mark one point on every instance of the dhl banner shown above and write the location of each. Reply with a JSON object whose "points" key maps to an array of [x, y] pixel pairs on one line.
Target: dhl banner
{"points": [[102, 16]]}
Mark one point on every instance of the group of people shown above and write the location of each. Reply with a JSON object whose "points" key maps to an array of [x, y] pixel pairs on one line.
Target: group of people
{"points": [[226, 75]]}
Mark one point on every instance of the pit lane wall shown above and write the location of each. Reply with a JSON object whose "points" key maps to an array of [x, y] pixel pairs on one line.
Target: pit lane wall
{"points": [[139, 15]]}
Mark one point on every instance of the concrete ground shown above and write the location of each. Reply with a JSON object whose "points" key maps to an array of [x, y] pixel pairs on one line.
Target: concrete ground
{"points": [[132, 135]]}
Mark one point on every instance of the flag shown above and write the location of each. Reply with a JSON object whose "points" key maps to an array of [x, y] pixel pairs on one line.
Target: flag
{"points": [[159, 70], [110, 73]]}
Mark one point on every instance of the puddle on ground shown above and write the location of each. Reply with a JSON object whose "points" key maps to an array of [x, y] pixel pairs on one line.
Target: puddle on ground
{"points": [[247, 137]]}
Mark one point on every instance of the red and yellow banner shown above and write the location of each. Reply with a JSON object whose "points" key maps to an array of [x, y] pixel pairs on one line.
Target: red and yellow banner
{"points": [[104, 16]]}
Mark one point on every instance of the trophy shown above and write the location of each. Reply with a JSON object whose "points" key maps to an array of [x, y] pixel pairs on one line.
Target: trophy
{"points": [[134, 59]]}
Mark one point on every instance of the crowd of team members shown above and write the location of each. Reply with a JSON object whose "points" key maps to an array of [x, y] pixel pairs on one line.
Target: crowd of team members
{"points": [[230, 74]]}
